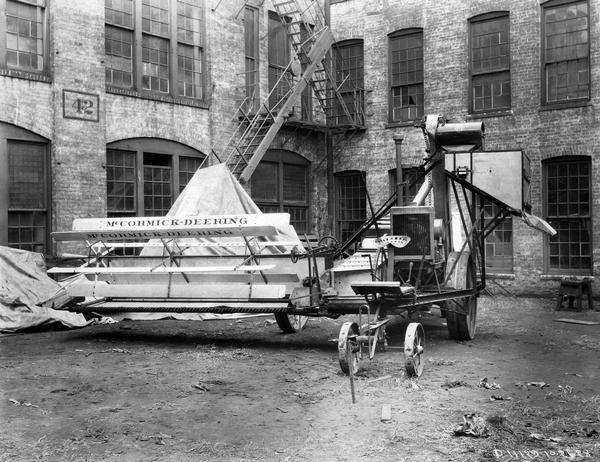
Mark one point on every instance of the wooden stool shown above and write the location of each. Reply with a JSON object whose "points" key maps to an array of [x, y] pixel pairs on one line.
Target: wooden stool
{"points": [[575, 289]]}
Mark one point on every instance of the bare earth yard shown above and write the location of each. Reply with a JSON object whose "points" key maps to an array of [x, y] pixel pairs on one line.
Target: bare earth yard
{"points": [[241, 390]]}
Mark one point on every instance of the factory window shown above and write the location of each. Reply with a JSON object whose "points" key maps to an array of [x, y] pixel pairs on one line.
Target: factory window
{"points": [[351, 210], [567, 207], [144, 176], [499, 243], [565, 52], [406, 75], [280, 76], [280, 183], [22, 44], [348, 63], [155, 46], [24, 190], [251, 52], [490, 62]]}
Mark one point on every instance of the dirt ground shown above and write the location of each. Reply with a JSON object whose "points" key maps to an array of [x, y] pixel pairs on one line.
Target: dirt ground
{"points": [[241, 390]]}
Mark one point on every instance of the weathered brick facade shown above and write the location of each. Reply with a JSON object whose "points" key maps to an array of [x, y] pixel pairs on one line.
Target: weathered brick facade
{"points": [[76, 54]]}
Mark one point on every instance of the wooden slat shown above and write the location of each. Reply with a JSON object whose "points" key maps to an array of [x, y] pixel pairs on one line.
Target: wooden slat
{"points": [[159, 270], [102, 289]]}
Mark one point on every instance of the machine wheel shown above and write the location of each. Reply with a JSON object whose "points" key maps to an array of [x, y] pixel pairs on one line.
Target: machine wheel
{"points": [[462, 326], [348, 351], [290, 323], [414, 347]]}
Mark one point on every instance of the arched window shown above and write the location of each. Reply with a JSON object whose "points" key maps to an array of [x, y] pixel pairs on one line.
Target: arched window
{"points": [[567, 207], [280, 183], [24, 189], [144, 176]]}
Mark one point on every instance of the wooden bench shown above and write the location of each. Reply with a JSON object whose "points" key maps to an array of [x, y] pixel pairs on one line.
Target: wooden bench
{"points": [[254, 273], [575, 289]]}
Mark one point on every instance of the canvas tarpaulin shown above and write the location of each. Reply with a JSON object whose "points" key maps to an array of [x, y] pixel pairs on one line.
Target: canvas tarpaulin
{"points": [[24, 285]]}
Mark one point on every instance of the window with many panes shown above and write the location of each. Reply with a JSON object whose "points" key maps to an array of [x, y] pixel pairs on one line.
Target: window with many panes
{"points": [[406, 75], [351, 210], [490, 62], [567, 207], [155, 46], [565, 51], [145, 176], [22, 43], [280, 81], [280, 184], [251, 57], [499, 243], [24, 190], [348, 63]]}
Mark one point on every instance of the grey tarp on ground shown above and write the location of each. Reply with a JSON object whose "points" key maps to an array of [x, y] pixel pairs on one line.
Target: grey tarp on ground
{"points": [[23, 285], [212, 191]]}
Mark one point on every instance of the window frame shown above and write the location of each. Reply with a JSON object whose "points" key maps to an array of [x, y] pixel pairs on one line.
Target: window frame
{"points": [[174, 76], [283, 157], [472, 74], [338, 209], [30, 74], [152, 146], [569, 102], [502, 263], [413, 31], [589, 217], [338, 117], [254, 102], [10, 133]]}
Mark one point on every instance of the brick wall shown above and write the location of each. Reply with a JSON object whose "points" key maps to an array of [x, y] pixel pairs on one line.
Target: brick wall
{"points": [[539, 133]]}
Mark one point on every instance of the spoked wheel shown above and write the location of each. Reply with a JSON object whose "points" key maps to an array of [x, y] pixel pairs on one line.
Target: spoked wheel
{"points": [[290, 323], [348, 349], [414, 347], [461, 326]]}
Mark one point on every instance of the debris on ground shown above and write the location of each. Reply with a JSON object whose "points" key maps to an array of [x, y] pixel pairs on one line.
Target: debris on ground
{"points": [[379, 379], [386, 413], [454, 384], [577, 321], [200, 386], [483, 383], [111, 350], [473, 425], [22, 403], [540, 437], [280, 409], [500, 398], [538, 384]]}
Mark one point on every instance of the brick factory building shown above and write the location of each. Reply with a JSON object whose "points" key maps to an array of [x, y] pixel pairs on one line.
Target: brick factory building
{"points": [[107, 108]]}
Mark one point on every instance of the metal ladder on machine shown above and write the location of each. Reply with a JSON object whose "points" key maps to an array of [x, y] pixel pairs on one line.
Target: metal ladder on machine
{"points": [[251, 139]]}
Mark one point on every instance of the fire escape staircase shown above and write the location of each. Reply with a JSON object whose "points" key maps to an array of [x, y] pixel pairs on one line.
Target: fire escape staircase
{"points": [[311, 39]]}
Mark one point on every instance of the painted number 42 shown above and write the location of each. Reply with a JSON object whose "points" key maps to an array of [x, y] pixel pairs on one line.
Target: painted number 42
{"points": [[83, 106]]}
